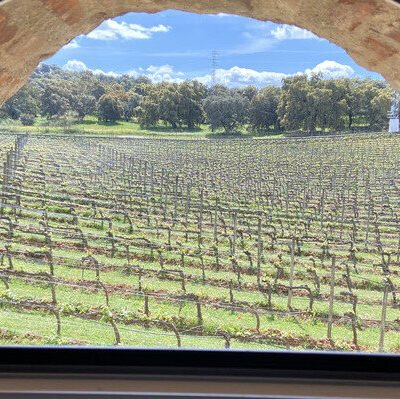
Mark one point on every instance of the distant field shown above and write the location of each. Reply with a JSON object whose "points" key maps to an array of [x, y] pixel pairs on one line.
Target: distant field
{"points": [[91, 125], [284, 244]]}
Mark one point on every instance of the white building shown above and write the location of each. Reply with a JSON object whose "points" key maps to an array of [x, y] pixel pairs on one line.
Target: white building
{"points": [[394, 115]]}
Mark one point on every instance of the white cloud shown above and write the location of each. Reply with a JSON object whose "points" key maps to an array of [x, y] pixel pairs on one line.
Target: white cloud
{"points": [[71, 45], [290, 32], [237, 77], [157, 74], [101, 72], [332, 70], [112, 30], [232, 77], [162, 73], [102, 34], [75, 66], [261, 37], [222, 15], [79, 66]]}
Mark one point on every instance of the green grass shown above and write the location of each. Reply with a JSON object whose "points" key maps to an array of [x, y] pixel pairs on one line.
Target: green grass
{"points": [[41, 326], [92, 126]]}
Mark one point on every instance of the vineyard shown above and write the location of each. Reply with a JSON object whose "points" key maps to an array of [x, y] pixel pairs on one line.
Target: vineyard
{"points": [[242, 244]]}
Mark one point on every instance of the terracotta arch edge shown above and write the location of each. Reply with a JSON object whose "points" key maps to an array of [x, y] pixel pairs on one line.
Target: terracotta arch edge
{"points": [[31, 31]]}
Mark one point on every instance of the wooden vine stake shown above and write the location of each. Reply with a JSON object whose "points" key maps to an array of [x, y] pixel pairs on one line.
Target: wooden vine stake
{"points": [[226, 337], [257, 317], [331, 298], [383, 318], [53, 286], [231, 299], [290, 292], [146, 304], [259, 251], [173, 328], [110, 315], [199, 314]]}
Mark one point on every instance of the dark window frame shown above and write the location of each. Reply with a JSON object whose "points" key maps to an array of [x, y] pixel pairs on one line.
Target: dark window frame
{"points": [[229, 363]]}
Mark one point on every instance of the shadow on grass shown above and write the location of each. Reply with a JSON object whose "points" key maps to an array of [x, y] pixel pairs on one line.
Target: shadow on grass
{"points": [[166, 129], [94, 122], [150, 130], [266, 133], [224, 135], [242, 135]]}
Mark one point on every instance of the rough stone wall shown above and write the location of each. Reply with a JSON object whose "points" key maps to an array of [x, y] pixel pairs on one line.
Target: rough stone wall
{"points": [[33, 30]]}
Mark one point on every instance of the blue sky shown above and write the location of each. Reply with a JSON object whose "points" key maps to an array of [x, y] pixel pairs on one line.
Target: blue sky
{"points": [[175, 46]]}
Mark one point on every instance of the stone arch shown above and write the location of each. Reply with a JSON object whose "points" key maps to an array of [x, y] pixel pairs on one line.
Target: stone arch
{"points": [[31, 31]]}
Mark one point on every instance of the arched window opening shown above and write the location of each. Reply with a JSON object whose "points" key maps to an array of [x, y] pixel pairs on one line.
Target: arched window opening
{"points": [[203, 181]]}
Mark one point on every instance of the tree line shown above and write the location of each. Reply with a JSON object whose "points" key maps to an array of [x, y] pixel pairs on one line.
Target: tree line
{"points": [[304, 103]]}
